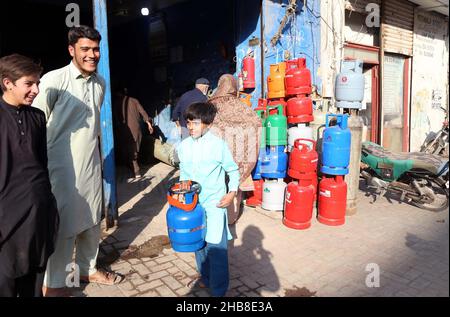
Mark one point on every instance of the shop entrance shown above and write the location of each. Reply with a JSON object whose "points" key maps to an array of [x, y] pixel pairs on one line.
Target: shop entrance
{"points": [[159, 56]]}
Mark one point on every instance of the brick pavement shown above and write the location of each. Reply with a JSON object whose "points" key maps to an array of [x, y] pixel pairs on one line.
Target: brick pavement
{"points": [[409, 245]]}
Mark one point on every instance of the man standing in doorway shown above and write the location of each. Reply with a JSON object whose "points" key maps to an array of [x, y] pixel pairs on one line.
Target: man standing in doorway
{"points": [[127, 113], [71, 98], [198, 94]]}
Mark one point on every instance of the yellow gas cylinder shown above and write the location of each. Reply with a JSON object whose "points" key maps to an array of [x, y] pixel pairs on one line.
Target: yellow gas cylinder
{"points": [[245, 98], [282, 68], [275, 81]]}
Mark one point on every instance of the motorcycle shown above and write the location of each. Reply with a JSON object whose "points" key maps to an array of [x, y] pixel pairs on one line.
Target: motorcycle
{"points": [[419, 178], [437, 143]]}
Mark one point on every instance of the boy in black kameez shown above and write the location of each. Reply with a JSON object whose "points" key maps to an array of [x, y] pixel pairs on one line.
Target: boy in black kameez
{"points": [[28, 215]]}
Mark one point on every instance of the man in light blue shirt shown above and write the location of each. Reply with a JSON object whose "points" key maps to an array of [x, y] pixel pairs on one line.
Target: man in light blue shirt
{"points": [[205, 158]]}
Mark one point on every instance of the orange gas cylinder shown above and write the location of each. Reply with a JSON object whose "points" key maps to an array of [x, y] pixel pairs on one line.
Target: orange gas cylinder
{"points": [[299, 109], [298, 206], [276, 102], [298, 78], [255, 198], [275, 82], [245, 98], [282, 68], [303, 159], [332, 200]]}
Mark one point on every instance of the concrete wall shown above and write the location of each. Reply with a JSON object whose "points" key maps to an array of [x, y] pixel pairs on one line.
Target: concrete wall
{"points": [[332, 42], [429, 89], [356, 31]]}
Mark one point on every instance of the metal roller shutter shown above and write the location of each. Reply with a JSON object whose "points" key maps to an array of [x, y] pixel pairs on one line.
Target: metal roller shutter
{"points": [[397, 26]]}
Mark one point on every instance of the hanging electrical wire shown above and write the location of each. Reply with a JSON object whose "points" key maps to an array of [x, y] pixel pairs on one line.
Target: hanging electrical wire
{"points": [[290, 11]]}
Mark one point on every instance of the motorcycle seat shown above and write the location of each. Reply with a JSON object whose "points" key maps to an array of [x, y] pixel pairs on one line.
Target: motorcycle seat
{"points": [[420, 161]]}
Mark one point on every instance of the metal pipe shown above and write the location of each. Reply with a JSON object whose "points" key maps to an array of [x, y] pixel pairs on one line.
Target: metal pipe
{"points": [[107, 138], [262, 49]]}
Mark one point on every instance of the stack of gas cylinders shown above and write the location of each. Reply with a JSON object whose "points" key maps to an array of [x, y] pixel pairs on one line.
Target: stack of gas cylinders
{"points": [[275, 157], [299, 104], [301, 192], [335, 160], [286, 130], [271, 168], [292, 79]]}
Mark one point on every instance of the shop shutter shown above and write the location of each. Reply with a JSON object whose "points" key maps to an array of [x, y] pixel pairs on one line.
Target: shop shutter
{"points": [[397, 17]]}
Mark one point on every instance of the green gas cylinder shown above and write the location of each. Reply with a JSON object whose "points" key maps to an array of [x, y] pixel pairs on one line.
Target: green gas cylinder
{"points": [[276, 126], [261, 114]]}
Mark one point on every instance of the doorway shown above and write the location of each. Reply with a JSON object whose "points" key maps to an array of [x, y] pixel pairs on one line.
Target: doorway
{"points": [[371, 109], [158, 57], [26, 28], [395, 103]]}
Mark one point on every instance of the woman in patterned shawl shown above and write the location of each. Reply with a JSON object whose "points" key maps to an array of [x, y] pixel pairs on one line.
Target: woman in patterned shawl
{"points": [[240, 127]]}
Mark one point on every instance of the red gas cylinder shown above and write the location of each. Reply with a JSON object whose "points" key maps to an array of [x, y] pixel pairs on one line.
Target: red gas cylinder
{"points": [[288, 179], [309, 179], [248, 71], [299, 109], [298, 206], [276, 102], [298, 78], [332, 200], [262, 104], [255, 198], [303, 159]]}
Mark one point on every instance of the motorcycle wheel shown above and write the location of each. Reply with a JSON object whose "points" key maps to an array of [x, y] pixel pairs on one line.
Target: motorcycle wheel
{"points": [[440, 201]]}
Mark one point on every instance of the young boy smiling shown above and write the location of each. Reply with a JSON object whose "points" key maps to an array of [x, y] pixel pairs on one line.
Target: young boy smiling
{"points": [[28, 212], [205, 158]]}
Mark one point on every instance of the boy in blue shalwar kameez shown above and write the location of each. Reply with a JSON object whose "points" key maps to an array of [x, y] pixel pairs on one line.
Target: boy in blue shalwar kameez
{"points": [[205, 158]]}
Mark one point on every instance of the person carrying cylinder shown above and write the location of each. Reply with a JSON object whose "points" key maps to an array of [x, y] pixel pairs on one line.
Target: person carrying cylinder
{"points": [[205, 158]]}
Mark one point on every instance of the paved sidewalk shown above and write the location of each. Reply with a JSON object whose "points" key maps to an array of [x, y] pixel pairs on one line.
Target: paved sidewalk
{"points": [[410, 247]]}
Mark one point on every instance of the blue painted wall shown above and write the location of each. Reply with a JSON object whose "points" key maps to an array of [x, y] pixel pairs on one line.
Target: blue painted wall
{"points": [[249, 27], [300, 36]]}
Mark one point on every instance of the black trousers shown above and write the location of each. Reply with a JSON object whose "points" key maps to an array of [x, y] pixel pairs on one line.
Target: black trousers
{"points": [[29, 285]]}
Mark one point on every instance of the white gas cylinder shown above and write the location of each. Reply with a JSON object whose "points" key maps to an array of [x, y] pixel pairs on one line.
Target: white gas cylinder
{"points": [[273, 194], [301, 131]]}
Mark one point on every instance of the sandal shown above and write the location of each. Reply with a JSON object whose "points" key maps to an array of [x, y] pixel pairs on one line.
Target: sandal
{"points": [[56, 292], [196, 282], [103, 277]]}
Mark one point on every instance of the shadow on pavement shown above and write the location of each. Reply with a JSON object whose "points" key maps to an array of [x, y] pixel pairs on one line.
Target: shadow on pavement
{"points": [[243, 260]]}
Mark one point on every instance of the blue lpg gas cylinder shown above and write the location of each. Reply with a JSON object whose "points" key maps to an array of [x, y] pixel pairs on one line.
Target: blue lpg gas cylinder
{"points": [[256, 173], [186, 219], [275, 161], [336, 146]]}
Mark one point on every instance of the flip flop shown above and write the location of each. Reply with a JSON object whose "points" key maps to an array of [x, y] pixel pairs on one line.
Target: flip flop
{"points": [[196, 282], [56, 292], [107, 278]]}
